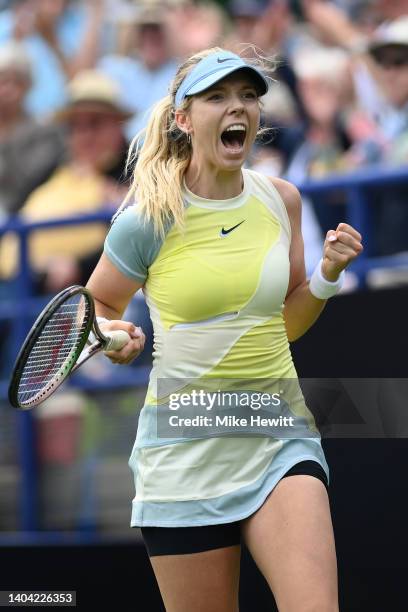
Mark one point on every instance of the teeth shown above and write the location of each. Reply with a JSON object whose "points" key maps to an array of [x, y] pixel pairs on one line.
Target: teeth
{"points": [[235, 127]]}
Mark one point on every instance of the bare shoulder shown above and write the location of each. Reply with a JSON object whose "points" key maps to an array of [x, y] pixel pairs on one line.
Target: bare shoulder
{"points": [[289, 194]]}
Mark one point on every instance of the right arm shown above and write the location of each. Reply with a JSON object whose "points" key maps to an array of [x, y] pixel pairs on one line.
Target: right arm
{"points": [[112, 292]]}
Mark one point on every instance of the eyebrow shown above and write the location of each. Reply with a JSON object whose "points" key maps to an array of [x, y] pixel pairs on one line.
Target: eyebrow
{"points": [[217, 87]]}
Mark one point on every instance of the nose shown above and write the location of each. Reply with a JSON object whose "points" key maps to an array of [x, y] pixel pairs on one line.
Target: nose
{"points": [[237, 105]]}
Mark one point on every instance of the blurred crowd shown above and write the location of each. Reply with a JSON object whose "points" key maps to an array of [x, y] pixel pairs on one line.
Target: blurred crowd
{"points": [[77, 80]]}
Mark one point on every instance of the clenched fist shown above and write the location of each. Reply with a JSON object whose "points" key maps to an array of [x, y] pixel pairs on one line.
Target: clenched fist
{"points": [[132, 349], [340, 248]]}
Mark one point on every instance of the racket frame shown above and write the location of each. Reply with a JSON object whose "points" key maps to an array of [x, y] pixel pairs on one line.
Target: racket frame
{"points": [[36, 331]]}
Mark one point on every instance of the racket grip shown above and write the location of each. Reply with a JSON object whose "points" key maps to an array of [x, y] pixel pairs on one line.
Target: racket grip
{"points": [[116, 340]]}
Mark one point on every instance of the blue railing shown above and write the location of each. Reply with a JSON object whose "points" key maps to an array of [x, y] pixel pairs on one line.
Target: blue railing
{"points": [[21, 309], [356, 188], [22, 306]]}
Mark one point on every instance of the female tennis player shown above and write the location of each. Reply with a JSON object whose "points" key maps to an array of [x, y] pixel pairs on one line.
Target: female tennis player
{"points": [[218, 251]]}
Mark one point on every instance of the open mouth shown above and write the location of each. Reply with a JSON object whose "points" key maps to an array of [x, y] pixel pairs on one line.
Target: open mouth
{"points": [[233, 138]]}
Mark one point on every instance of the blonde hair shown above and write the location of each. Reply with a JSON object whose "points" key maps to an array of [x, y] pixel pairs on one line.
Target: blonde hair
{"points": [[161, 154]]}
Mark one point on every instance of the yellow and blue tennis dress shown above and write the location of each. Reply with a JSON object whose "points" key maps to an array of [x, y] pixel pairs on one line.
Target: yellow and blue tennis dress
{"points": [[215, 292]]}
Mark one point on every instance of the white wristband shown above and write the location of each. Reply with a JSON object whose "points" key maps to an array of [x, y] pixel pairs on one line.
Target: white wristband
{"points": [[321, 288], [92, 338], [100, 320]]}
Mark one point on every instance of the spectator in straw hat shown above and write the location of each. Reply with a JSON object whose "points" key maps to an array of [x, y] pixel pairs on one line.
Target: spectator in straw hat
{"points": [[92, 180], [29, 151]]}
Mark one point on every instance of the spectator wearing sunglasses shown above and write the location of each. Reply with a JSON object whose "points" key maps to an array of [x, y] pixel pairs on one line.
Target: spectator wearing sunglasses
{"points": [[381, 94], [389, 50], [378, 123]]}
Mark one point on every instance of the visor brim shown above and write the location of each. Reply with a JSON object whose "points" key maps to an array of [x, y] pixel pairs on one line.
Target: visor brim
{"points": [[260, 82]]}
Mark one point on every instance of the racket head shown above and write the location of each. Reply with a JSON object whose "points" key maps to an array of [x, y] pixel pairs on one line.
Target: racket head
{"points": [[52, 347]]}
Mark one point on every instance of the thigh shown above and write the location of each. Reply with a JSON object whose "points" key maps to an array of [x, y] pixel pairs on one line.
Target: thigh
{"points": [[291, 540], [197, 568], [203, 581]]}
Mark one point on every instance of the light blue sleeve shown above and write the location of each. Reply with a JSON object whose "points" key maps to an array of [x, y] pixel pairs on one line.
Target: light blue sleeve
{"points": [[131, 244]]}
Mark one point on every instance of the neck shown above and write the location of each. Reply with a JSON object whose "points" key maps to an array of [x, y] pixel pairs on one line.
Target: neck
{"points": [[321, 133], [212, 183], [9, 119]]}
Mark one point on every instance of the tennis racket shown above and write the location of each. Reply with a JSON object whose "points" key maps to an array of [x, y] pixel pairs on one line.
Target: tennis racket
{"points": [[56, 346]]}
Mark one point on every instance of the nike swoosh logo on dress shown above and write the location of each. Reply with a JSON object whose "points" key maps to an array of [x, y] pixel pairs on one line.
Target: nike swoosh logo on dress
{"points": [[225, 232]]}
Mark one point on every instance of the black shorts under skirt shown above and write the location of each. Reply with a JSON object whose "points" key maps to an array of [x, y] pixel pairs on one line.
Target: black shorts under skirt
{"points": [[187, 540]]}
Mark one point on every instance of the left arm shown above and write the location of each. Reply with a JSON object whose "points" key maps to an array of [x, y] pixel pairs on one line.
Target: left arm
{"points": [[302, 308]]}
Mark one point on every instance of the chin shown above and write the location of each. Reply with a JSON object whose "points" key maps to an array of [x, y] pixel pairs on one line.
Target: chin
{"points": [[233, 162]]}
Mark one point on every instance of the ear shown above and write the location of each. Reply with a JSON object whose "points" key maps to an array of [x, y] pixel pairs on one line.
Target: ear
{"points": [[183, 121]]}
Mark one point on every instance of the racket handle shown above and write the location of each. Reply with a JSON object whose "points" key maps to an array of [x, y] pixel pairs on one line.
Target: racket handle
{"points": [[116, 340]]}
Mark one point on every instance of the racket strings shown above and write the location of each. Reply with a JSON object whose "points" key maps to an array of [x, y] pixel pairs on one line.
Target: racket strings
{"points": [[56, 348]]}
